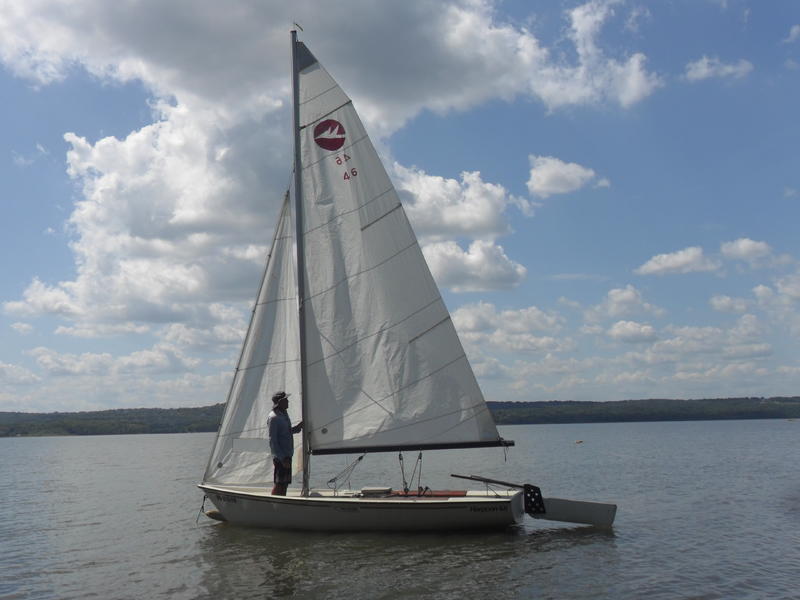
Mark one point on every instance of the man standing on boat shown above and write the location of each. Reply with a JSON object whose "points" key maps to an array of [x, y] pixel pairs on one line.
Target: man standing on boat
{"points": [[281, 444]]}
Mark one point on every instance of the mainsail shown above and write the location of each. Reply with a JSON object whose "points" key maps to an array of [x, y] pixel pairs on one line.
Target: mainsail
{"points": [[270, 362], [384, 368]]}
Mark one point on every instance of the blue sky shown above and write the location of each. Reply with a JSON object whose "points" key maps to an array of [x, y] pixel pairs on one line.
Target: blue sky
{"points": [[607, 192]]}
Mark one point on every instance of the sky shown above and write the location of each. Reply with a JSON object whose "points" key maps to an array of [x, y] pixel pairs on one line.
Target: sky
{"points": [[607, 192]]}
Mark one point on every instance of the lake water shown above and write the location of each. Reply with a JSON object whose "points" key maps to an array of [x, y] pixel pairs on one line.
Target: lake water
{"points": [[706, 510]]}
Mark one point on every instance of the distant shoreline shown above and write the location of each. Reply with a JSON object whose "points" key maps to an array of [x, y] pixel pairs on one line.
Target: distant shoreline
{"points": [[206, 418]]}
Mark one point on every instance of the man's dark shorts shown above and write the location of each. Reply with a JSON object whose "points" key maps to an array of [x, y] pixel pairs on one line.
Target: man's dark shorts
{"points": [[282, 474]]}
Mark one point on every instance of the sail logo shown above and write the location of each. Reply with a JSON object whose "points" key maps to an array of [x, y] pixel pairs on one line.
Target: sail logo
{"points": [[329, 135]]}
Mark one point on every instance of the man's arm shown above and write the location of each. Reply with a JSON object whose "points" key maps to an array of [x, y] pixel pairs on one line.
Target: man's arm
{"points": [[297, 428]]}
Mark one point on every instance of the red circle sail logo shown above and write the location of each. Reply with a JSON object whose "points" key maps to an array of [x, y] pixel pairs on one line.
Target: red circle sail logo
{"points": [[329, 134]]}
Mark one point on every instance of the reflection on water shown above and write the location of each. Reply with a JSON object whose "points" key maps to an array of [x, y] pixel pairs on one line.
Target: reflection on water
{"points": [[707, 510], [456, 565]]}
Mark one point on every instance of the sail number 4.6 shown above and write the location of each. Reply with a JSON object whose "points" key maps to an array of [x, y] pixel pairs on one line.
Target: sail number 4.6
{"points": [[348, 173]]}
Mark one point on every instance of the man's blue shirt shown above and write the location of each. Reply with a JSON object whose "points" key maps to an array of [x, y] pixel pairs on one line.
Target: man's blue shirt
{"points": [[281, 444]]}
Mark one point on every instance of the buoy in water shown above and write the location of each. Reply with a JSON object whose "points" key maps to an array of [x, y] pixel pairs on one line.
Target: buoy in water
{"points": [[216, 515], [578, 441]]}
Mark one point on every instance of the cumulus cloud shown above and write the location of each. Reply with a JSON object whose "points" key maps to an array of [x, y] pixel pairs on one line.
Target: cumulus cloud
{"points": [[746, 250], [22, 328], [631, 332], [727, 304], [483, 266], [550, 176], [622, 302], [706, 68], [688, 260], [794, 35], [529, 329], [157, 360], [14, 374], [168, 211], [441, 208]]}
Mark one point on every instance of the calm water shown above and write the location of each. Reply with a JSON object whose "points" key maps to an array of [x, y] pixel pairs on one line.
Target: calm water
{"points": [[706, 510]]}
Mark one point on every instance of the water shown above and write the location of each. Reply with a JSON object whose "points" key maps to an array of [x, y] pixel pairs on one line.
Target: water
{"points": [[706, 510]]}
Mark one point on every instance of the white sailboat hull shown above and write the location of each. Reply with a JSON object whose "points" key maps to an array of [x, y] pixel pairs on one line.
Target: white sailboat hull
{"points": [[322, 511]]}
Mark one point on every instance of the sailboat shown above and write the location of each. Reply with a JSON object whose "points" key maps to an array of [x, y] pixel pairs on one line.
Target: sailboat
{"points": [[349, 320]]}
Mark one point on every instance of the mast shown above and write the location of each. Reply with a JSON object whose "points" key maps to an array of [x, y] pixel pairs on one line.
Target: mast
{"points": [[301, 267]]}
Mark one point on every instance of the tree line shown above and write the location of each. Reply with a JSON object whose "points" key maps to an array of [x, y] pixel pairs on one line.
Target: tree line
{"points": [[207, 418]]}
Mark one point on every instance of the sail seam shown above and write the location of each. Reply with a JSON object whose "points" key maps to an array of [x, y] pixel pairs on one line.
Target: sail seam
{"points": [[397, 391], [327, 114], [363, 391], [386, 214], [322, 93], [475, 407], [267, 364], [360, 273], [431, 328], [276, 300], [369, 335], [342, 149], [348, 212]]}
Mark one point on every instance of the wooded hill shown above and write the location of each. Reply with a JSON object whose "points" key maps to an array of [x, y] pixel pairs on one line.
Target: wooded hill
{"points": [[206, 418]]}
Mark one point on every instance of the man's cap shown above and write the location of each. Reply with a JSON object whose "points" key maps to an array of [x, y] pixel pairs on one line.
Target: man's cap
{"points": [[278, 396]]}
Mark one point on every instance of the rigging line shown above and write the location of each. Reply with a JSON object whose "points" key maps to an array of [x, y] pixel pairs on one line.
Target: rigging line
{"points": [[381, 330], [362, 272], [397, 391], [322, 93], [333, 156], [362, 390], [327, 114], [345, 213]]}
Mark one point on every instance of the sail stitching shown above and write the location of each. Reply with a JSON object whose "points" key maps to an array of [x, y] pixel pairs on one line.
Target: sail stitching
{"points": [[369, 335], [349, 212], [327, 114], [397, 391]]}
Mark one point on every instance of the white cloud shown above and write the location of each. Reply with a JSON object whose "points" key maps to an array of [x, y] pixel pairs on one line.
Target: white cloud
{"points": [[550, 175], [705, 68], [747, 250], [632, 332], [22, 328], [727, 304], [443, 208], [14, 374], [794, 34], [515, 330], [483, 266], [622, 302], [157, 360], [688, 260]]}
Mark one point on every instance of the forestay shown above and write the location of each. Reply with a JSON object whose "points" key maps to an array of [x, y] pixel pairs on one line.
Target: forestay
{"points": [[385, 368], [270, 362]]}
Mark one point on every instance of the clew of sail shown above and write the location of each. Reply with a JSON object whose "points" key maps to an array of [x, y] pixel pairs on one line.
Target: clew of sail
{"points": [[385, 369], [270, 362]]}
